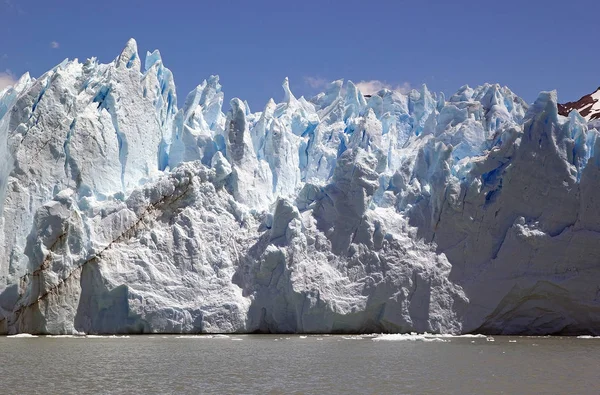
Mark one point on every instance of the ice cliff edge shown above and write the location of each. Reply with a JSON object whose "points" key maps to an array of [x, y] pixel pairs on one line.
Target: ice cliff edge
{"points": [[124, 211]]}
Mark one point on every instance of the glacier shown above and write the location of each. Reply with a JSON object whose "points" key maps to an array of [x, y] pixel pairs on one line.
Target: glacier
{"points": [[123, 211]]}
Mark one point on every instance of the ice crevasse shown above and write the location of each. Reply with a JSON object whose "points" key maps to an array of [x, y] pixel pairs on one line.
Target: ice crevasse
{"points": [[124, 210]]}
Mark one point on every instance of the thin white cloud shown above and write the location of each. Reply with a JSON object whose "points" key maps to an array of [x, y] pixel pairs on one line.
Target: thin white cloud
{"points": [[7, 79], [13, 7], [404, 87], [366, 87], [54, 45], [315, 82], [373, 86]]}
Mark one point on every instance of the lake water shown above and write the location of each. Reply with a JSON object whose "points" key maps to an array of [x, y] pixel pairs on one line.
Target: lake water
{"points": [[257, 364]]}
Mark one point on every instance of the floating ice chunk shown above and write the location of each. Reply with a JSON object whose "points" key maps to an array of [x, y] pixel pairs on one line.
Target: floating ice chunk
{"points": [[410, 337]]}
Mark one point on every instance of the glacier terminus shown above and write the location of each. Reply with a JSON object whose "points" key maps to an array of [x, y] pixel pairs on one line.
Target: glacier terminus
{"points": [[126, 210]]}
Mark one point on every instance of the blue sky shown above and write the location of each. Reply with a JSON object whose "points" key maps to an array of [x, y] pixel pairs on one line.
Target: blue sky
{"points": [[529, 45]]}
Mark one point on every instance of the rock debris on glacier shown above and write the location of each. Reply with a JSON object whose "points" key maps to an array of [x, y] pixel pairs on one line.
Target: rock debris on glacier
{"points": [[124, 213]]}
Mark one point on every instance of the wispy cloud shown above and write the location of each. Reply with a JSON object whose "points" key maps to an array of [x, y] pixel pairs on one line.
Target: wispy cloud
{"points": [[54, 45], [7, 79], [369, 87], [315, 82], [13, 7], [373, 86]]}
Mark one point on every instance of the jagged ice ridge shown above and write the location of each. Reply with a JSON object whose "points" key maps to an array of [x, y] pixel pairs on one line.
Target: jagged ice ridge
{"points": [[125, 213]]}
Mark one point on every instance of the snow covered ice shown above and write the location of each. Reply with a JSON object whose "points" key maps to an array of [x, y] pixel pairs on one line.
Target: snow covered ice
{"points": [[126, 211]]}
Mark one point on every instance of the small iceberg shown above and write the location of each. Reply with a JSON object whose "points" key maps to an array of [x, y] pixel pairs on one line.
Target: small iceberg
{"points": [[424, 337]]}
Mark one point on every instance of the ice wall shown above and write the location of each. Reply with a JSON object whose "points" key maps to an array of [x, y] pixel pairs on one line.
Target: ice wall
{"points": [[123, 213]]}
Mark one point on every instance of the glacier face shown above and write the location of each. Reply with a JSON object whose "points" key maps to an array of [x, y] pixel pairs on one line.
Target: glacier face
{"points": [[122, 212]]}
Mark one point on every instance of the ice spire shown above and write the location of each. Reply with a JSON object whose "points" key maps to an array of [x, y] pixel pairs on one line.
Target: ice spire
{"points": [[129, 56], [151, 59], [289, 96]]}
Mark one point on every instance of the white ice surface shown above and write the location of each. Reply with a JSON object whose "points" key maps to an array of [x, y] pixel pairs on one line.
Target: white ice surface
{"points": [[122, 212]]}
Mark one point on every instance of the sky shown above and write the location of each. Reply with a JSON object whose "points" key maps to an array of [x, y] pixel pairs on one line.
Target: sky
{"points": [[528, 45]]}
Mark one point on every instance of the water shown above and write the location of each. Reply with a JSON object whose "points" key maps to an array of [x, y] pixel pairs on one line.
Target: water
{"points": [[309, 365]]}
